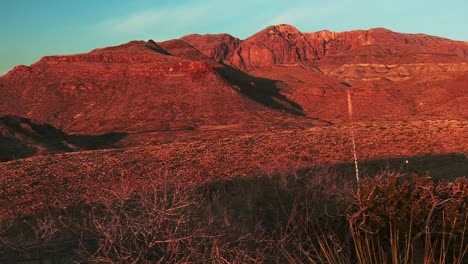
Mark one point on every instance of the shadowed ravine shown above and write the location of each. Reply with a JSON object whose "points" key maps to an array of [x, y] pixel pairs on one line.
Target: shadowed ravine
{"points": [[262, 90]]}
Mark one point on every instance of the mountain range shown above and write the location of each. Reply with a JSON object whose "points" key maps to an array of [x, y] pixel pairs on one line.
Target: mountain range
{"points": [[217, 85]]}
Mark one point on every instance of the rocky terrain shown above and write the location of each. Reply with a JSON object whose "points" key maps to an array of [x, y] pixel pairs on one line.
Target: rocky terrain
{"points": [[202, 80], [212, 87], [285, 44], [404, 74]]}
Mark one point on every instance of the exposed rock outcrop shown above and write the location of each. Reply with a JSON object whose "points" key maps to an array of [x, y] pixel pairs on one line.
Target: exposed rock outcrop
{"points": [[285, 44], [282, 44], [216, 46]]}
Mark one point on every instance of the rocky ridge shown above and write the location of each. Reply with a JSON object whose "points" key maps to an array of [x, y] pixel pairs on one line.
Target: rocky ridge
{"points": [[218, 80]]}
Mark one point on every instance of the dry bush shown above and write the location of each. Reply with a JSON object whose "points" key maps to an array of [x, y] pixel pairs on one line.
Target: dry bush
{"points": [[309, 216], [412, 218], [243, 220], [171, 225], [393, 218]]}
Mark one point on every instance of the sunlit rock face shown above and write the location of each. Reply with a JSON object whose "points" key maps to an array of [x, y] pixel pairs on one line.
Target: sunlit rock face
{"points": [[285, 44]]}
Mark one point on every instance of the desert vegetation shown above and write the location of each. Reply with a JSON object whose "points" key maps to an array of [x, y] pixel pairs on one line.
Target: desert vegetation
{"points": [[248, 199], [315, 215]]}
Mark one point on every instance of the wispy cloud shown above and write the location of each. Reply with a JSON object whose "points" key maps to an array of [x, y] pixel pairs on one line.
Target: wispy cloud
{"points": [[241, 18], [141, 21], [158, 18], [189, 17], [309, 10]]}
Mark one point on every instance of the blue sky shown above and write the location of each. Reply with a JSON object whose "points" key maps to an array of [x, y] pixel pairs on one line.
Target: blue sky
{"points": [[30, 29]]}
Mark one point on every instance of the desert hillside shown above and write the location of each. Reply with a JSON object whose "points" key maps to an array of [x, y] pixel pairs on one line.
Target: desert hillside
{"points": [[218, 80], [211, 87], [408, 94]]}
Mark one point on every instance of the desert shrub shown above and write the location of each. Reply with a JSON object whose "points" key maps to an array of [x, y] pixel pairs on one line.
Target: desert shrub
{"points": [[396, 199], [411, 218], [309, 216], [396, 218], [243, 220]]}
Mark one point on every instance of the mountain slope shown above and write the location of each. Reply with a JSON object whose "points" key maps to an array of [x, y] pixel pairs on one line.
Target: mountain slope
{"points": [[134, 87], [288, 77], [393, 75]]}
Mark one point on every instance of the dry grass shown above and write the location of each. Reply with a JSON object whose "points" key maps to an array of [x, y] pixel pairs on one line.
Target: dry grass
{"points": [[85, 174], [311, 216], [402, 219], [201, 201], [246, 220]]}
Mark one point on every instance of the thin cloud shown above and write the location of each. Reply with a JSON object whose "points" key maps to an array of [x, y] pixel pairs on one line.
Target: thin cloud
{"points": [[308, 11], [182, 18], [175, 17], [240, 18]]}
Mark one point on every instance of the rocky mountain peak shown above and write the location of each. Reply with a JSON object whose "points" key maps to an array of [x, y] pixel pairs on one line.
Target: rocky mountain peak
{"points": [[282, 29]]}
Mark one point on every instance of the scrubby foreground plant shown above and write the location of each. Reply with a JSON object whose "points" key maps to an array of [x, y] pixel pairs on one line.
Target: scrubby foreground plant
{"points": [[401, 219], [310, 216]]}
